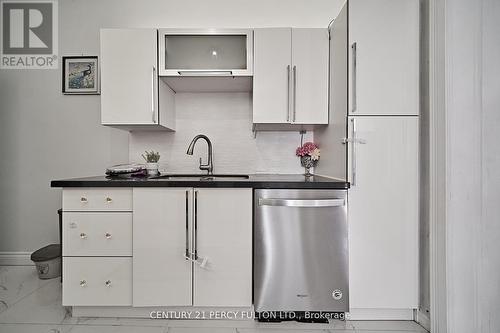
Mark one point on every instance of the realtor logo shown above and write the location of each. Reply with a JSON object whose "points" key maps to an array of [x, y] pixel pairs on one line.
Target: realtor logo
{"points": [[29, 34]]}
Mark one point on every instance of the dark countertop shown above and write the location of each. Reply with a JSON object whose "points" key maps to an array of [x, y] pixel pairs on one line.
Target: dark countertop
{"points": [[254, 181]]}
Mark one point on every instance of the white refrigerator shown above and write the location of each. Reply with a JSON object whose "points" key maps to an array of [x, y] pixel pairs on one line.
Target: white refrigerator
{"points": [[373, 141]]}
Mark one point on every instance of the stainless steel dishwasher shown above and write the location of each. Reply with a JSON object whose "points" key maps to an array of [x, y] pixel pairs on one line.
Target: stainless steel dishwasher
{"points": [[301, 251]]}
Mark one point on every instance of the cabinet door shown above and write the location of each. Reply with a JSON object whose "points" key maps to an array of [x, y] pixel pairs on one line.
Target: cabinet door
{"points": [[384, 57], [97, 281], [272, 70], [310, 76], [202, 52], [129, 81], [223, 234], [330, 138], [383, 212], [161, 274]]}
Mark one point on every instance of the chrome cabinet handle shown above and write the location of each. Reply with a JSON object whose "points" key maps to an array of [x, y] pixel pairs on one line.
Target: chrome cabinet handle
{"points": [[208, 72], [352, 140], [294, 93], [301, 202], [153, 109], [83, 283], [107, 283], [187, 226], [83, 235], [107, 235], [195, 242], [353, 157], [109, 200], [84, 200], [354, 50], [288, 69]]}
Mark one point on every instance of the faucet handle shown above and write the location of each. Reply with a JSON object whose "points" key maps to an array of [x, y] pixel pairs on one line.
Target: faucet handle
{"points": [[205, 167]]}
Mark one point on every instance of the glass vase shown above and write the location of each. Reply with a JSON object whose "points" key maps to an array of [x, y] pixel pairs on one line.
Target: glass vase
{"points": [[307, 162]]}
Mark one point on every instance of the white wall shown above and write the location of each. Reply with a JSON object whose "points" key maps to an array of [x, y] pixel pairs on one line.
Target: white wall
{"points": [[473, 164], [489, 252], [45, 135], [424, 246], [463, 158]]}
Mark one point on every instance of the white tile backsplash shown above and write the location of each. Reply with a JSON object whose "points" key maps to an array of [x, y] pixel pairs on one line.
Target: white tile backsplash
{"points": [[226, 118]]}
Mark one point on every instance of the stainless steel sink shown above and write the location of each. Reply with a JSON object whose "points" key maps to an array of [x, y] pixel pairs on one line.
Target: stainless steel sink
{"points": [[196, 177]]}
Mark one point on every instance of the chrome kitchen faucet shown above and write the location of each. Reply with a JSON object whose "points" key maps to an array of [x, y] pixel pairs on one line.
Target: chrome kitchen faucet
{"points": [[209, 167]]}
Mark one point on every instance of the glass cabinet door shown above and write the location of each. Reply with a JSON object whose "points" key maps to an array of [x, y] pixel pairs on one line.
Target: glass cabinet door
{"points": [[205, 53]]}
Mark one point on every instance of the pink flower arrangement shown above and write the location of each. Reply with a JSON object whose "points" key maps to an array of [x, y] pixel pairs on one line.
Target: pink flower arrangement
{"points": [[308, 149]]}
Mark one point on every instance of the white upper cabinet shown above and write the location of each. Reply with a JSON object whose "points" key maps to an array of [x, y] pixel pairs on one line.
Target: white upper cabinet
{"points": [[129, 81], [383, 57], [271, 80], [310, 76], [290, 76], [205, 52]]}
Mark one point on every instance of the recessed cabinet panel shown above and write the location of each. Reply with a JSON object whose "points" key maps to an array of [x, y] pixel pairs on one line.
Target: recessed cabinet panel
{"points": [[222, 52]]}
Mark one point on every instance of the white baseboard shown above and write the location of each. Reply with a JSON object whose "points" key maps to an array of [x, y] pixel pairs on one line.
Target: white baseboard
{"points": [[15, 259], [380, 314], [187, 312], [423, 319]]}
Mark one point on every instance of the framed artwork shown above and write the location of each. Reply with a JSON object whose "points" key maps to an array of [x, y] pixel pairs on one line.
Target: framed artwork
{"points": [[80, 75]]}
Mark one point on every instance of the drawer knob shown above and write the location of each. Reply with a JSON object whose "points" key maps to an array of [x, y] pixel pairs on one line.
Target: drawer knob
{"points": [[84, 200], [83, 235], [108, 235], [109, 200], [108, 283], [83, 283]]}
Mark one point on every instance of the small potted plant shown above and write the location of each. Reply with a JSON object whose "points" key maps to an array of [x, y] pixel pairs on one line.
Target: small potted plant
{"points": [[309, 156], [151, 158]]}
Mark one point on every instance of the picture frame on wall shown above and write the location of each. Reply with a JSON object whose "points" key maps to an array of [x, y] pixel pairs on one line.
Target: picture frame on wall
{"points": [[80, 75]]}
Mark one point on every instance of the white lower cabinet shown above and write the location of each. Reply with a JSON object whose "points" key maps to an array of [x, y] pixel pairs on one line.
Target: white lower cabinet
{"points": [[224, 240], [99, 281], [97, 247], [93, 199], [97, 234], [171, 226], [383, 212], [162, 275]]}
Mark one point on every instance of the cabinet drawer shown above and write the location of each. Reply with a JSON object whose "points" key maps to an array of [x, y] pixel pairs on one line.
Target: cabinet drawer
{"points": [[97, 234], [97, 281], [97, 199]]}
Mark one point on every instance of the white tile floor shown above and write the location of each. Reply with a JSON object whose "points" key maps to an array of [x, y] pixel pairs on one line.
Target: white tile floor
{"points": [[30, 305]]}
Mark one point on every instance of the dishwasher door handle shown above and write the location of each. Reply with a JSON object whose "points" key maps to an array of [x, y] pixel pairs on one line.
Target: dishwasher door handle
{"points": [[302, 202]]}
